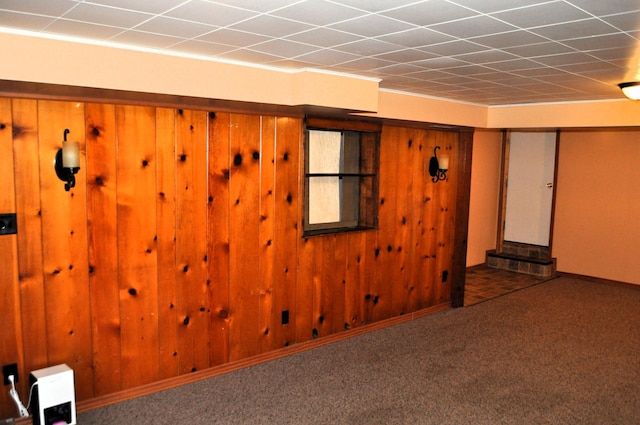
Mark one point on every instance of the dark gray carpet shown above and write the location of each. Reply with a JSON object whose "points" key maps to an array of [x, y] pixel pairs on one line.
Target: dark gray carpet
{"points": [[563, 352]]}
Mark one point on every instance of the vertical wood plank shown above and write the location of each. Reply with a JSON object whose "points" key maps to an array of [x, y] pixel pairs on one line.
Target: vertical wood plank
{"points": [[244, 192], [304, 315], [420, 242], [10, 320], [30, 261], [103, 246], [461, 226], [268, 239], [288, 209], [323, 285], [444, 194], [382, 289], [338, 282], [218, 234], [355, 280], [64, 236], [191, 245], [166, 242], [138, 269], [401, 249]]}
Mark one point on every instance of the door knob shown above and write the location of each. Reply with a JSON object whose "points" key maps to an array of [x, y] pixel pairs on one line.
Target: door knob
{"points": [[549, 185]]}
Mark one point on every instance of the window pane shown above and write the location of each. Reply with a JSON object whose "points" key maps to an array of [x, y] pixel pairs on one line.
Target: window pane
{"points": [[324, 200], [324, 151]]}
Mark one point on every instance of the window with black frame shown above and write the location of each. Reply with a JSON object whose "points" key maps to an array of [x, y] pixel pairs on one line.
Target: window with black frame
{"points": [[341, 176]]}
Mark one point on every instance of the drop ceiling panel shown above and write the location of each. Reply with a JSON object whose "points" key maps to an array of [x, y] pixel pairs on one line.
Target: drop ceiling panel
{"points": [[483, 51]]}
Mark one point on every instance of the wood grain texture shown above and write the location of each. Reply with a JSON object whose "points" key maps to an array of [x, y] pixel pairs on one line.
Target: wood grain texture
{"points": [[64, 247], [168, 321], [30, 255], [9, 289], [136, 231], [180, 248], [102, 217], [191, 242], [218, 236]]}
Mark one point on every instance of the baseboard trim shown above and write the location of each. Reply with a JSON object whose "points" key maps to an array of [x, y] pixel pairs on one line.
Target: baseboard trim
{"points": [[600, 280], [154, 387]]}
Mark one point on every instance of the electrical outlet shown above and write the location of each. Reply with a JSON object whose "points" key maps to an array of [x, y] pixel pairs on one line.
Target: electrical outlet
{"points": [[8, 224], [8, 370]]}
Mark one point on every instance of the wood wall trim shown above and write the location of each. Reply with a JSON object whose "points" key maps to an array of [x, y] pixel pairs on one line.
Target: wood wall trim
{"points": [[463, 193], [121, 396]]}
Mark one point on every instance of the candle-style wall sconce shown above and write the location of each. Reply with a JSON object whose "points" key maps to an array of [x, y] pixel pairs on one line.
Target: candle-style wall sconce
{"points": [[67, 162], [438, 167]]}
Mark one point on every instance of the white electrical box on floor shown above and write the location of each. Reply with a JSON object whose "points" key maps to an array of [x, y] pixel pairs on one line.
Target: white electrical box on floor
{"points": [[54, 398]]}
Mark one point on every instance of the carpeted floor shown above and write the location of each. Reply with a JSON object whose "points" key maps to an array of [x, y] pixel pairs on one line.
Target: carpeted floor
{"points": [[560, 352]]}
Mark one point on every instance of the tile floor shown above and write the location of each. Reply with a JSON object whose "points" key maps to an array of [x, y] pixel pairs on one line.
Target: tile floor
{"points": [[484, 283]]}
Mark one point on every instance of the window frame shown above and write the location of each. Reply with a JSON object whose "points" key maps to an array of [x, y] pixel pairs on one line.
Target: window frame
{"points": [[368, 175]]}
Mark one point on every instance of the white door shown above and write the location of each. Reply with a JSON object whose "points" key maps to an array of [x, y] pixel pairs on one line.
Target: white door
{"points": [[530, 187]]}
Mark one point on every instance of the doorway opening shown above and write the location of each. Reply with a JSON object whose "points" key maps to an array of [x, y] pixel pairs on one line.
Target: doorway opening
{"points": [[527, 199]]}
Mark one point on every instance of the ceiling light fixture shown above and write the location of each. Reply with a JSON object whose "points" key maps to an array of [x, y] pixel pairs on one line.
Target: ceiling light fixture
{"points": [[631, 89]]}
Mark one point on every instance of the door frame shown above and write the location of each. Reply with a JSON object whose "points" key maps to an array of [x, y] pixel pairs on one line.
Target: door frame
{"points": [[502, 198]]}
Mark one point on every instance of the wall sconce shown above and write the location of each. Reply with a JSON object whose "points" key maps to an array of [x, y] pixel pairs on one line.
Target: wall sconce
{"points": [[631, 89], [67, 162], [438, 168]]}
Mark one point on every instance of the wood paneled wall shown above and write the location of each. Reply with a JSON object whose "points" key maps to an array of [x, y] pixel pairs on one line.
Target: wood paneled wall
{"points": [[180, 248]]}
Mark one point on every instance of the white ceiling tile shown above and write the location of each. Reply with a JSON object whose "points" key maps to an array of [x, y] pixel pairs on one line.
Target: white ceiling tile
{"points": [[489, 6], [233, 38], [40, 7], [368, 47], [271, 26], [203, 48], [514, 65], [625, 55], [260, 6], [327, 57], [372, 26], [508, 39], [606, 7], [565, 59], [542, 14], [319, 12], [148, 6], [138, 38], [453, 48], [24, 21], [416, 37], [430, 12], [375, 5], [571, 30], [106, 15], [564, 49], [365, 64], [625, 21], [586, 44], [81, 29], [323, 37], [175, 27], [406, 55], [284, 48], [210, 13], [473, 27], [250, 56], [539, 49], [486, 56]]}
